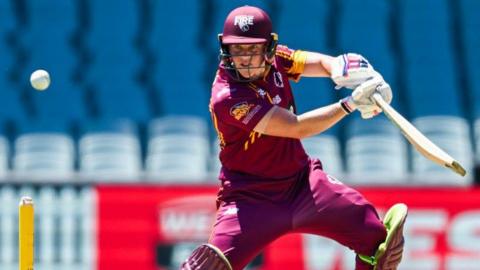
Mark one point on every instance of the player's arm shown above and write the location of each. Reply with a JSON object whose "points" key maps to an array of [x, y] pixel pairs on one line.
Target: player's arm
{"points": [[317, 65], [281, 122], [346, 70]]}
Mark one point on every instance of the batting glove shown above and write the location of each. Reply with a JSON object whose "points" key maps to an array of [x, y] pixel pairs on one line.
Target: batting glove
{"points": [[361, 97], [350, 70]]}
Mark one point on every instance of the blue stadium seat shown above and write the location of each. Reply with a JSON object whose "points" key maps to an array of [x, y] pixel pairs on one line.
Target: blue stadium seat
{"points": [[476, 129], [58, 103], [124, 103], [470, 23], [47, 39], [4, 156], [45, 124], [303, 28], [114, 26], [364, 28], [452, 134], [178, 149], [8, 23], [180, 62], [44, 156], [12, 108], [306, 29], [115, 125], [426, 40], [115, 59], [51, 25], [109, 150], [375, 153], [327, 149]]}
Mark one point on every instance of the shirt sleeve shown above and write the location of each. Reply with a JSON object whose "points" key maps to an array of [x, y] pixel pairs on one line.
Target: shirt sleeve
{"points": [[292, 61], [242, 112]]}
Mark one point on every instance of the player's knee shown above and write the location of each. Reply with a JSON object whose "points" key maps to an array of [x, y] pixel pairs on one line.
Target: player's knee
{"points": [[206, 257]]}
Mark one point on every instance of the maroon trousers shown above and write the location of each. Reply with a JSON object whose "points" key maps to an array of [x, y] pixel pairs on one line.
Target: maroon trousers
{"points": [[252, 215]]}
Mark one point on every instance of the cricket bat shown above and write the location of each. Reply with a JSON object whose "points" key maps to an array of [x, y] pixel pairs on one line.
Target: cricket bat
{"points": [[423, 145]]}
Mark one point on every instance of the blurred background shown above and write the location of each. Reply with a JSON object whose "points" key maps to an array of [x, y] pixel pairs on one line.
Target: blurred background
{"points": [[120, 156]]}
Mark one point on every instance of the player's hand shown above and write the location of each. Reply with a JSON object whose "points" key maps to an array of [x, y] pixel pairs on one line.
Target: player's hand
{"points": [[350, 70], [361, 97]]}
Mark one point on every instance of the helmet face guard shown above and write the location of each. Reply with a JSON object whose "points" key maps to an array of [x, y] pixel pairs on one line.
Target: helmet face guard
{"points": [[227, 59]]}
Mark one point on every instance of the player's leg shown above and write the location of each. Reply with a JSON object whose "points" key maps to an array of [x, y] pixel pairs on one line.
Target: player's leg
{"points": [[242, 229], [389, 253], [206, 257], [329, 208]]}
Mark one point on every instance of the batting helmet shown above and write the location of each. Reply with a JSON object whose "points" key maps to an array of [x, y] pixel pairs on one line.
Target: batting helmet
{"points": [[246, 25]]}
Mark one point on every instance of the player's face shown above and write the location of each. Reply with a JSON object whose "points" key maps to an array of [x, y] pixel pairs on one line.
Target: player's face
{"points": [[248, 59]]}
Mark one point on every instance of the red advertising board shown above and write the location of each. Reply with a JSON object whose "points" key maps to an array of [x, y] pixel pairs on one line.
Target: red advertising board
{"points": [[151, 227]]}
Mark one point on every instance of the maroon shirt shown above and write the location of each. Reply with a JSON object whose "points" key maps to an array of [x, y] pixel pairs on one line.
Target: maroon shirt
{"points": [[237, 108]]}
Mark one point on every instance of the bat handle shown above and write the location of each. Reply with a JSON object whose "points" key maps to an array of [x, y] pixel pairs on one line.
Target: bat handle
{"points": [[378, 99]]}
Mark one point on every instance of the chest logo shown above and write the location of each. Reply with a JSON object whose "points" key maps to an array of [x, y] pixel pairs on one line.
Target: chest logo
{"points": [[240, 110]]}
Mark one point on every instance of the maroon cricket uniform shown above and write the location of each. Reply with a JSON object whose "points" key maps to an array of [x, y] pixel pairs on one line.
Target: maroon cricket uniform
{"points": [[269, 186]]}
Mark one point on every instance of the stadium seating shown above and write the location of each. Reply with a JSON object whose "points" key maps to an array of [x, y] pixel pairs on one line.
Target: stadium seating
{"points": [[180, 61], [47, 40], [308, 31], [116, 62], [376, 153], [427, 45], [327, 149], [7, 51], [453, 135], [369, 33], [469, 24], [110, 152], [44, 156], [141, 61], [477, 140], [214, 163], [12, 109], [4, 157], [178, 149]]}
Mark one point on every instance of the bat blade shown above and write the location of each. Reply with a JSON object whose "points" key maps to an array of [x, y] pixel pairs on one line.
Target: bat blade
{"points": [[421, 143]]}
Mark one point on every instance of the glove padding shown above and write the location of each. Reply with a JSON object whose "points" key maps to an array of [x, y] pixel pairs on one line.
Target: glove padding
{"points": [[362, 96], [350, 70]]}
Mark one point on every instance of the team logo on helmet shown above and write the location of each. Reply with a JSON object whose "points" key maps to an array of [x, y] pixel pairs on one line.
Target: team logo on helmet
{"points": [[240, 110], [243, 22]]}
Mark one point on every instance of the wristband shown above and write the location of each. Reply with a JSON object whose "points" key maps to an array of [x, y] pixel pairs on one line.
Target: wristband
{"points": [[347, 105]]}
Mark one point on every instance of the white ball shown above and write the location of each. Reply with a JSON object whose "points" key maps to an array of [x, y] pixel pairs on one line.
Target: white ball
{"points": [[40, 79]]}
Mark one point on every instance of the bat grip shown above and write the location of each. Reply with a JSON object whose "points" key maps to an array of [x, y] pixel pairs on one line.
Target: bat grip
{"points": [[378, 99]]}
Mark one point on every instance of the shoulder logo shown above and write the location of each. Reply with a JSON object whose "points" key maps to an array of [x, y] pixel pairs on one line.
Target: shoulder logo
{"points": [[240, 110], [243, 22], [277, 78]]}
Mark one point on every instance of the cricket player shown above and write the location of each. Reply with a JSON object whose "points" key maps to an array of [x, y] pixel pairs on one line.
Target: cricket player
{"points": [[269, 185]]}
